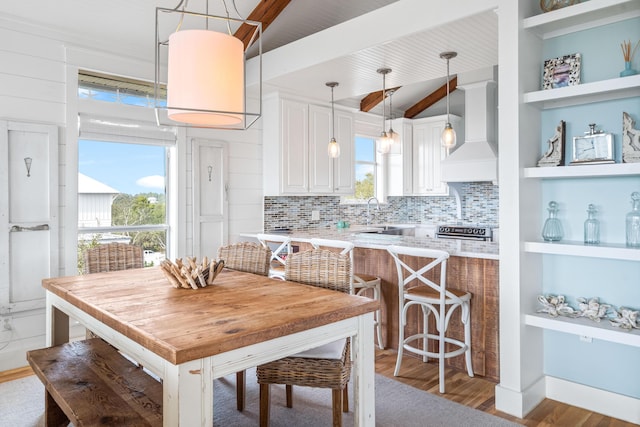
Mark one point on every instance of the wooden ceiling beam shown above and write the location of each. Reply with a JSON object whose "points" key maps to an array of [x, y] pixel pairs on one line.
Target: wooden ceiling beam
{"points": [[373, 99], [431, 99], [266, 12]]}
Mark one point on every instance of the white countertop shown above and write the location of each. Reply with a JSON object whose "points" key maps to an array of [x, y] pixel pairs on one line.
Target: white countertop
{"points": [[455, 247]]}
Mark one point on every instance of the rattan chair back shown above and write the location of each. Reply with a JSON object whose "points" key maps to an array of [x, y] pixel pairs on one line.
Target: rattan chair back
{"points": [[246, 256], [320, 267], [112, 257]]}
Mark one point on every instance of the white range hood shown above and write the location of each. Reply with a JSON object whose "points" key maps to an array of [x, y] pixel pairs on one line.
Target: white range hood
{"points": [[477, 158]]}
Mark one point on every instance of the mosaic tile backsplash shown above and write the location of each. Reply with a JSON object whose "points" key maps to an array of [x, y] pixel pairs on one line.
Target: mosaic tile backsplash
{"points": [[478, 200]]}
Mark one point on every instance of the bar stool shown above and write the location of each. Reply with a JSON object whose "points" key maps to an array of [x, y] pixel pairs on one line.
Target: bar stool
{"points": [[278, 255], [361, 282], [434, 298]]}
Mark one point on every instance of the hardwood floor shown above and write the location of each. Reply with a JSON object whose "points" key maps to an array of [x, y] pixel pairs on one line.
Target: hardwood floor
{"points": [[479, 393], [475, 392]]}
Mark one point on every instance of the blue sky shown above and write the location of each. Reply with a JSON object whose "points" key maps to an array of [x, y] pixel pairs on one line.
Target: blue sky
{"points": [[128, 168]]}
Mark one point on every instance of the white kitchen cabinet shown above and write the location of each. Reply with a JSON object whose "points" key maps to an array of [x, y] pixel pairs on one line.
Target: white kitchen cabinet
{"points": [[529, 369], [414, 166], [428, 152], [295, 139], [327, 175]]}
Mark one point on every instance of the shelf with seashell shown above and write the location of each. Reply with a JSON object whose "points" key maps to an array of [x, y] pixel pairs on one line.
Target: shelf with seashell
{"points": [[585, 327]]}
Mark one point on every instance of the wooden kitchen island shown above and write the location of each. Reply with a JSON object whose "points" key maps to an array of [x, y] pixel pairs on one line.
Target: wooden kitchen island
{"points": [[473, 267]]}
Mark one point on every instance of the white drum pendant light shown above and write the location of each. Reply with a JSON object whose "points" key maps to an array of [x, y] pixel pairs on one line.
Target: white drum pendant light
{"points": [[206, 76]]}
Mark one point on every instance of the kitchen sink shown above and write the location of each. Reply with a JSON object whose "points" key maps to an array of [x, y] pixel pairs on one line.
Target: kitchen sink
{"points": [[396, 230]]}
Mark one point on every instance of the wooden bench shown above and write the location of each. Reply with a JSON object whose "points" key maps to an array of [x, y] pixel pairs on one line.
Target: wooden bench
{"points": [[91, 384]]}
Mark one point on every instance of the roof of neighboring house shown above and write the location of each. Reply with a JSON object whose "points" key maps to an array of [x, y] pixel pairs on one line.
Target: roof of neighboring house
{"points": [[87, 185]]}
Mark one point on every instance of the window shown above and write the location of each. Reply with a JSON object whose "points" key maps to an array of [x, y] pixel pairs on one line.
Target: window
{"points": [[123, 165], [368, 170], [365, 163], [121, 90], [122, 197]]}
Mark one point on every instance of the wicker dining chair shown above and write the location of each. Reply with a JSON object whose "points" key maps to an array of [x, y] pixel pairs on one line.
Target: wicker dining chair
{"points": [[327, 366], [246, 256], [362, 283], [112, 257], [252, 258]]}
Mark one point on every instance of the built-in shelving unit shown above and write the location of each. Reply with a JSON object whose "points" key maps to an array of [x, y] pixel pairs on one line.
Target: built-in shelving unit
{"points": [[602, 330], [523, 117], [583, 171], [575, 248]]}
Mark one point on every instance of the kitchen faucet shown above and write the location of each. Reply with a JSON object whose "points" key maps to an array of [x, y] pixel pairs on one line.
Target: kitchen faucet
{"points": [[368, 205]]}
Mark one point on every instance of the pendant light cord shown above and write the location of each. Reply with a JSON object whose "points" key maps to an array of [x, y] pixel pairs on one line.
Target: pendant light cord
{"points": [[333, 117], [384, 113], [448, 91]]}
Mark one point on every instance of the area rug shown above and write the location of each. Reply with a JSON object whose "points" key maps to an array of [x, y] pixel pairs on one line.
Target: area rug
{"points": [[397, 405]]}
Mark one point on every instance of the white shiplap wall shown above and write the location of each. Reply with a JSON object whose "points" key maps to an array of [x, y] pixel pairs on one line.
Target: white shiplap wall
{"points": [[38, 84]]}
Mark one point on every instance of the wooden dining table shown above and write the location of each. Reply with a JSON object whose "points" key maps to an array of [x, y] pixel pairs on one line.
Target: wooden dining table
{"points": [[189, 337]]}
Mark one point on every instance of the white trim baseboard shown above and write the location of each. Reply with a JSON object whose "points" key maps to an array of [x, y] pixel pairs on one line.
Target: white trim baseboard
{"points": [[604, 402], [520, 403]]}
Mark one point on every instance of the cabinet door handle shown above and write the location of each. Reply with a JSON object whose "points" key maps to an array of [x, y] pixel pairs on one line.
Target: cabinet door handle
{"points": [[40, 227]]}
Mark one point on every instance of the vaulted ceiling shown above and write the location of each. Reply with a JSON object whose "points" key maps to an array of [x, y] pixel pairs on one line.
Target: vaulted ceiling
{"points": [[127, 28]]}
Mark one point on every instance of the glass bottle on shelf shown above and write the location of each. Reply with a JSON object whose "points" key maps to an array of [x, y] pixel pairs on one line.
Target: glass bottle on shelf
{"points": [[633, 222], [591, 227], [552, 230]]}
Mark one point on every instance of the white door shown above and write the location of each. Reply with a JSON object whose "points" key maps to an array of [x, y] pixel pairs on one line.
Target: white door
{"points": [[28, 213], [210, 202]]}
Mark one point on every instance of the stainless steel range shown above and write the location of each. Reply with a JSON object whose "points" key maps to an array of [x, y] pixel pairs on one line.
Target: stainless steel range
{"points": [[465, 232]]}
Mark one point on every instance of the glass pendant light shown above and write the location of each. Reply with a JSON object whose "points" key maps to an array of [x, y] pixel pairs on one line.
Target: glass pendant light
{"points": [[395, 137], [448, 134], [384, 141], [333, 147]]}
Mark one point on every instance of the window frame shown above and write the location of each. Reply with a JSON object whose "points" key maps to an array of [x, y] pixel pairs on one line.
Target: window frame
{"points": [[146, 133], [366, 128]]}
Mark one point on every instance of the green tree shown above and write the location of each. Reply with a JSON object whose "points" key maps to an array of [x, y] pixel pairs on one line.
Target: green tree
{"points": [[139, 210], [364, 187]]}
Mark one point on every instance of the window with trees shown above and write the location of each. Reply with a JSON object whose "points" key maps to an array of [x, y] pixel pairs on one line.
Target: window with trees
{"points": [[366, 170], [122, 197], [123, 165]]}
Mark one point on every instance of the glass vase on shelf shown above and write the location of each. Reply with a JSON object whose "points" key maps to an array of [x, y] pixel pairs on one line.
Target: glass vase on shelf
{"points": [[552, 230], [591, 227], [633, 222]]}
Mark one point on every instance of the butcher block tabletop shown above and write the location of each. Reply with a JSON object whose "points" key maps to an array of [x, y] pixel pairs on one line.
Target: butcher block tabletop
{"points": [[180, 325]]}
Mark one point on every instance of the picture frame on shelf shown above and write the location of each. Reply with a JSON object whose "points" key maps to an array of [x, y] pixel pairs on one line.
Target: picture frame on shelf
{"points": [[562, 71], [595, 147]]}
